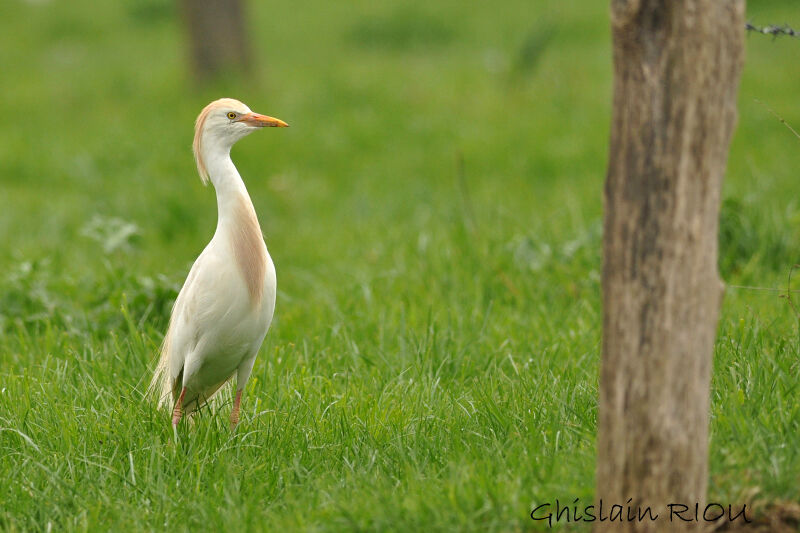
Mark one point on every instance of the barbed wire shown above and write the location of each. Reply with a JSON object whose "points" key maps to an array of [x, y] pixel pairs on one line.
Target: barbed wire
{"points": [[772, 29]]}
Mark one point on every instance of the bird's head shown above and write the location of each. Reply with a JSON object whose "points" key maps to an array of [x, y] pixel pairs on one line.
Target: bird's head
{"points": [[221, 124]]}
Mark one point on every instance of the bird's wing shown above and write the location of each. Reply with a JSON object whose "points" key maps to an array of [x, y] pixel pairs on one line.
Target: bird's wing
{"points": [[182, 331]]}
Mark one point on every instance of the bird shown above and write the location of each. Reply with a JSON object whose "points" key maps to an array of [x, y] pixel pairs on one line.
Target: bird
{"points": [[225, 307]]}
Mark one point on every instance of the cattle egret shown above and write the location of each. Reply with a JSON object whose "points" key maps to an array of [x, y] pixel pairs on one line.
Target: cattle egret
{"points": [[225, 307]]}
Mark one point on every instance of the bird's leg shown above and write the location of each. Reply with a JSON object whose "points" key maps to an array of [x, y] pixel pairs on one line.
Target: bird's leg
{"points": [[177, 413], [235, 412]]}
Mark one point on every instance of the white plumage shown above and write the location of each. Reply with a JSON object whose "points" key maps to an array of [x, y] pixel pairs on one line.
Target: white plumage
{"points": [[225, 307]]}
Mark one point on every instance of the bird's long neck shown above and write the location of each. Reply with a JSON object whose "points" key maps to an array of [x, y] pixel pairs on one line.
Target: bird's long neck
{"points": [[228, 184], [237, 223]]}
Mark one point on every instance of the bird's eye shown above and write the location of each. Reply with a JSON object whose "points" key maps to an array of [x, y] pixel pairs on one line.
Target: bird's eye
{"points": [[231, 115]]}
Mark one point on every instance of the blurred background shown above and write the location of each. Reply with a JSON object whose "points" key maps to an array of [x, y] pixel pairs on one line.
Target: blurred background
{"points": [[415, 127], [410, 121], [434, 212]]}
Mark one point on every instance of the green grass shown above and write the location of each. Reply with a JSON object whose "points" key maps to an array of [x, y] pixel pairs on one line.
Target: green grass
{"points": [[434, 358]]}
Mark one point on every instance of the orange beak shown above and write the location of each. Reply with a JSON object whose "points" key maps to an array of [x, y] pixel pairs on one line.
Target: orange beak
{"points": [[262, 121]]}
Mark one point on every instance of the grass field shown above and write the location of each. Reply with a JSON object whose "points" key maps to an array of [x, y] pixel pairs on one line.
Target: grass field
{"points": [[434, 214]]}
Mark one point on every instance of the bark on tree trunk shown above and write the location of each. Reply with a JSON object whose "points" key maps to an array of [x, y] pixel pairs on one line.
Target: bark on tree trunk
{"points": [[217, 35], [676, 74]]}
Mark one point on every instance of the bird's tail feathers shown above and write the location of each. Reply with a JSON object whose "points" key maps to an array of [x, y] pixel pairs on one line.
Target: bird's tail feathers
{"points": [[160, 387]]}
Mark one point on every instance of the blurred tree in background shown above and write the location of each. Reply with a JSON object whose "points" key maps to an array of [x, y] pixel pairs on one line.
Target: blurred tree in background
{"points": [[676, 78], [218, 36]]}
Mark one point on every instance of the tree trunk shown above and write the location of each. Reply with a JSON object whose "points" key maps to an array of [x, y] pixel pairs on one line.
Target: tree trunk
{"points": [[218, 36], [676, 74]]}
